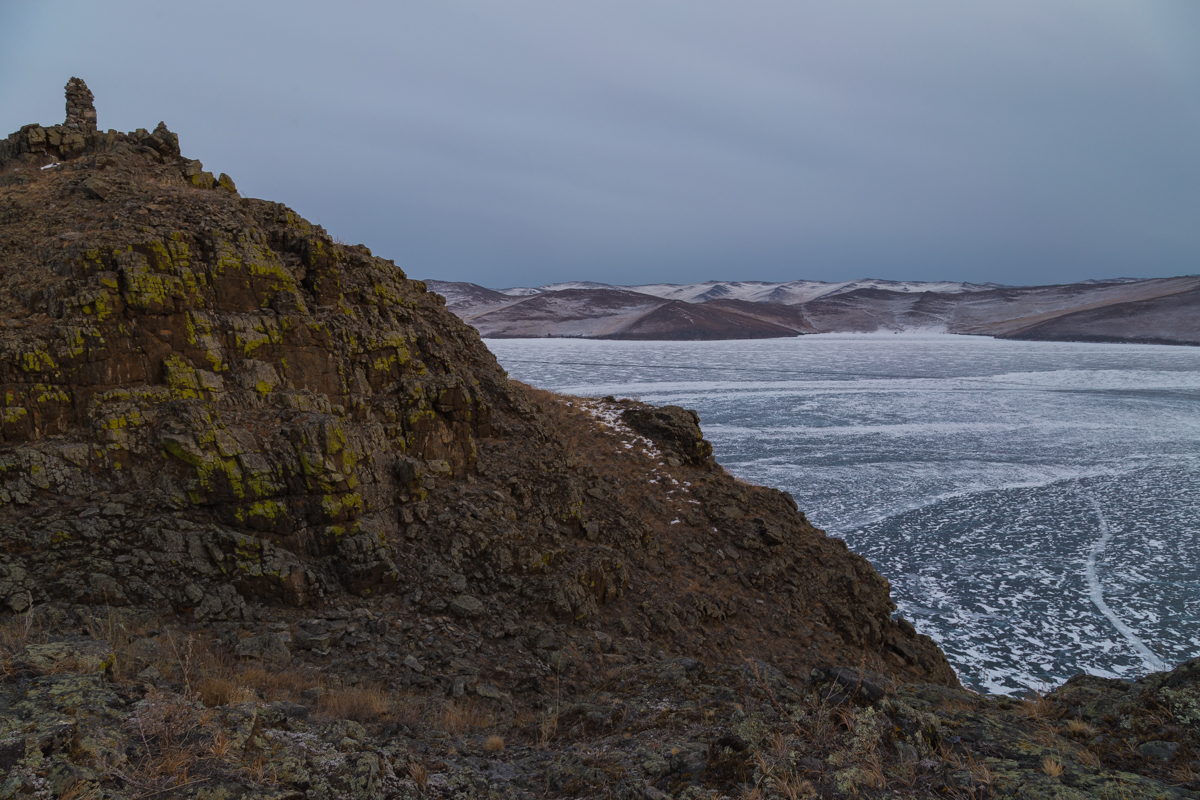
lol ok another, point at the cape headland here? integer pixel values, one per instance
(274, 523)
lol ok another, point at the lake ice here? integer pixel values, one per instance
(1035, 505)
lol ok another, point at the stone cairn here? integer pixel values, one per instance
(78, 135)
(81, 113)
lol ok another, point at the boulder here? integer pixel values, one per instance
(673, 428)
(464, 605)
(79, 656)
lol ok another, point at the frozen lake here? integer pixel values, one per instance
(1035, 505)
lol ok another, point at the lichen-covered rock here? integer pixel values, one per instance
(78, 655)
(218, 415)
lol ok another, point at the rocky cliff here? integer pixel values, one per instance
(252, 472)
(212, 408)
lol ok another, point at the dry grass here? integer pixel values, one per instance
(262, 771)
(1038, 707)
(565, 413)
(793, 787)
(201, 665)
(219, 747)
(1052, 766)
(494, 744)
(460, 716)
(781, 781)
(167, 726)
(1184, 774)
(278, 684)
(419, 773)
(1087, 758)
(174, 744)
(1080, 729)
(111, 627)
(548, 728)
(1047, 737)
(983, 775)
(223, 692)
(365, 703)
(80, 791)
(817, 724)
(17, 631)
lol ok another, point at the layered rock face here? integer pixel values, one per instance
(216, 411)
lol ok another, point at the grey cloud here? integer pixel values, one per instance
(522, 143)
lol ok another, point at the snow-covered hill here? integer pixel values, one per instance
(1163, 310)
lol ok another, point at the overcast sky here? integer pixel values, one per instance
(520, 143)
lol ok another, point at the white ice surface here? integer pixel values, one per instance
(960, 467)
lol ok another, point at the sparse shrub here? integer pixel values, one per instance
(1052, 766)
(165, 718)
(494, 744)
(165, 725)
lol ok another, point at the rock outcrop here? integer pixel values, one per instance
(264, 472)
(213, 409)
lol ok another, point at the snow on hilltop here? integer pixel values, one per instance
(787, 293)
(1158, 310)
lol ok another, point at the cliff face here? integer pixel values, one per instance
(213, 408)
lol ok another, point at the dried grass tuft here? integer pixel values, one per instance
(223, 692)
(1080, 729)
(359, 703)
(460, 716)
(419, 773)
(1038, 707)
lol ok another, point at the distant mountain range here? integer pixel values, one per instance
(1156, 311)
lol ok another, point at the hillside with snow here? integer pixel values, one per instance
(1159, 310)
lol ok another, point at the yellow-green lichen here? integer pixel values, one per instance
(270, 511)
(339, 506)
(181, 378)
(37, 360)
(48, 393)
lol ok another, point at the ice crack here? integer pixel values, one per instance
(1153, 662)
